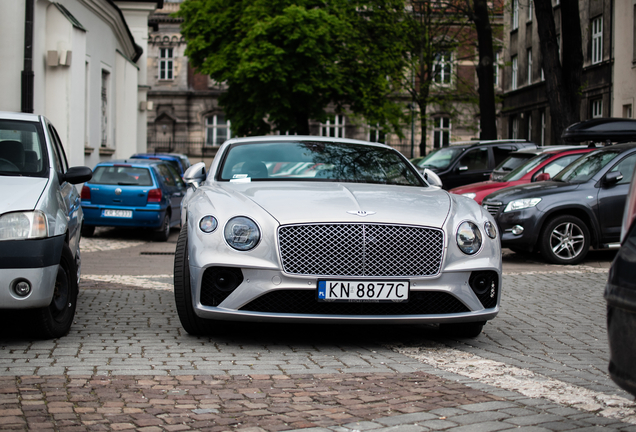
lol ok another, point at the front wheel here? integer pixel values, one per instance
(565, 240)
(55, 320)
(190, 321)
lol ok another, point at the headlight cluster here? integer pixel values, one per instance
(240, 232)
(469, 238)
(521, 204)
(23, 225)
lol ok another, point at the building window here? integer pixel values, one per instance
(166, 64)
(597, 108)
(217, 130)
(515, 14)
(597, 40)
(514, 128)
(334, 127)
(529, 71)
(529, 134)
(105, 107)
(513, 77)
(530, 10)
(375, 134)
(627, 111)
(441, 132)
(442, 68)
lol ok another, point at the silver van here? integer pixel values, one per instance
(40, 224)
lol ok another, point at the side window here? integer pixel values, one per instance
(501, 153)
(55, 158)
(475, 160)
(626, 167)
(166, 175)
(554, 167)
(59, 151)
(177, 177)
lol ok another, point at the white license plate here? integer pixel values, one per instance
(363, 291)
(118, 213)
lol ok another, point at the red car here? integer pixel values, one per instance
(545, 164)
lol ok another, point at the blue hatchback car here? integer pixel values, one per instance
(135, 193)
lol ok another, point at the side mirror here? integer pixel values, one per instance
(432, 178)
(77, 175)
(613, 177)
(195, 175)
(542, 177)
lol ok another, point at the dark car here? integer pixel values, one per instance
(581, 207)
(545, 163)
(136, 193)
(520, 157)
(620, 295)
(180, 161)
(469, 162)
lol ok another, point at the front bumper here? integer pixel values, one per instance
(35, 261)
(142, 217)
(529, 219)
(292, 299)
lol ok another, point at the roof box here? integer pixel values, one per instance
(601, 130)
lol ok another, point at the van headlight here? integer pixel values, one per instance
(469, 238)
(23, 225)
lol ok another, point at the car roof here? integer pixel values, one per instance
(8, 115)
(296, 138)
(131, 162)
(548, 149)
(601, 130)
(489, 142)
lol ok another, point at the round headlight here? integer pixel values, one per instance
(469, 238)
(489, 227)
(208, 224)
(242, 233)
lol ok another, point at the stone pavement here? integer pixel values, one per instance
(127, 364)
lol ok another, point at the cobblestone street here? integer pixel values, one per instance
(541, 365)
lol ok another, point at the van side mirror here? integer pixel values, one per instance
(542, 177)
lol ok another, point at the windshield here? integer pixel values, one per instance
(316, 161)
(440, 159)
(22, 149)
(583, 169)
(524, 169)
(513, 161)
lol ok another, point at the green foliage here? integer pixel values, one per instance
(286, 61)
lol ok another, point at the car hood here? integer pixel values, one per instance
(532, 190)
(303, 202)
(478, 187)
(26, 191)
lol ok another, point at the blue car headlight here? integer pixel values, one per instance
(242, 233)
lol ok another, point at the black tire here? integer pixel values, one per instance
(183, 294)
(564, 240)
(163, 233)
(88, 230)
(55, 320)
(462, 330)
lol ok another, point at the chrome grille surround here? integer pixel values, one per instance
(492, 207)
(361, 249)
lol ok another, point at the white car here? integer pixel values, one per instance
(351, 234)
(40, 222)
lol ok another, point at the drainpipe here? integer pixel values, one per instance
(27, 72)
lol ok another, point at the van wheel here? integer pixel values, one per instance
(190, 321)
(565, 240)
(55, 320)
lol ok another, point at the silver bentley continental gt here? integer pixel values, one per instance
(315, 229)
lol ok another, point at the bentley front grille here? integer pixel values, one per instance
(304, 302)
(361, 250)
(492, 207)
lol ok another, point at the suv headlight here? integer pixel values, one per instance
(469, 238)
(23, 225)
(521, 204)
(242, 233)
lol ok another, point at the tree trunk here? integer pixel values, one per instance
(562, 95)
(485, 71)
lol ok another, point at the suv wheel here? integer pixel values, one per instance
(55, 320)
(565, 240)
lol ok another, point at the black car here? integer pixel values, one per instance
(469, 162)
(620, 295)
(581, 207)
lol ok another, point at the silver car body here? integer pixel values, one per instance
(60, 203)
(274, 205)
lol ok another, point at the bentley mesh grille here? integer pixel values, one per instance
(492, 207)
(304, 302)
(361, 250)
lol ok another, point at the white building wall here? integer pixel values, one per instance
(11, 53)
(125, 107)
(624, 80)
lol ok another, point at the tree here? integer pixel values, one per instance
(286, 62)
(563, 79)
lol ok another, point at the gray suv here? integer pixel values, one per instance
(40, 222)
